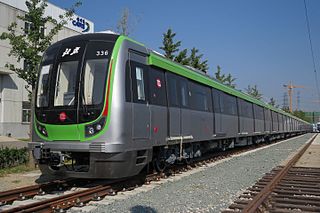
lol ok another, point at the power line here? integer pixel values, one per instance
(311, 48)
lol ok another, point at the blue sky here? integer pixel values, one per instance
(262, 42)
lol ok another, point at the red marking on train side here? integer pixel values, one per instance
(62, 116)
(155, 129)
(105, 111)
(158, 83)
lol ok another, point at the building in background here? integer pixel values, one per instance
(14, 103)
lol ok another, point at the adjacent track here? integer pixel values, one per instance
(284, 189)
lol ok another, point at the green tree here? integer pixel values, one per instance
(169, 46)
(224, 79)
(195, 60)
(286, 109)
(30, 45)
(219, 76)
(182, 57)
(171, 50)
(273, 103)
(254, 92)
(302, 115)
(229, 81)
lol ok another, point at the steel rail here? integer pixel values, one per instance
(256, 202)
(29, 191)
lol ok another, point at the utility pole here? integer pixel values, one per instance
(290, 88)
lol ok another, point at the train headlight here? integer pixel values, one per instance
(98, 127)
(42, 129)
(93, 129)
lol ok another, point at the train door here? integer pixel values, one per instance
(174, 111)
(140, 107)
(158, 106)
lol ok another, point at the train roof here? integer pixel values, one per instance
(90, 36)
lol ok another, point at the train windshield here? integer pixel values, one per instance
(95, 73)
(42, 99)
(72, 79)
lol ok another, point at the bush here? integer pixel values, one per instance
(13, 157)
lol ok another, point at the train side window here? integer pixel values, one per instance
(228, 104)
(200, 97)
(139, 82)
(172, 83)
(157, 87)
(258, 112)
(245, 109)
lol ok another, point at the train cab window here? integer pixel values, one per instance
(42, 94)
(66, 83)
(140, 84)
(95, 72)
(67, 74)
(157, 87)
(43, 86)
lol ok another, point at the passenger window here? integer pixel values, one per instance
(200, 97)
(245, 109)
(258, 112)
(228, 104)
(140, 84)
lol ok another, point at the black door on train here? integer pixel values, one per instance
(174, 111)
(140, 107)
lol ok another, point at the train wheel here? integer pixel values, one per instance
(159, 164)
(159, 160)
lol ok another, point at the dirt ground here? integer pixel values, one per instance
(12, 181)
(17, 180)
(311, 157)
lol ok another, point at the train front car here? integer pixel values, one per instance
(80, 124)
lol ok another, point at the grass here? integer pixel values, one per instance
(17, 169)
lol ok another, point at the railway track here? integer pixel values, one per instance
(285, 189)
(94, 191)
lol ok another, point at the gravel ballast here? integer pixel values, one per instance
(210, 189)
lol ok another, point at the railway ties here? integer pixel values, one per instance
(288, 188)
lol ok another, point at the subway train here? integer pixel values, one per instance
(107, 106)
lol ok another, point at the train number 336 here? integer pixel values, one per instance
(102, 52)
